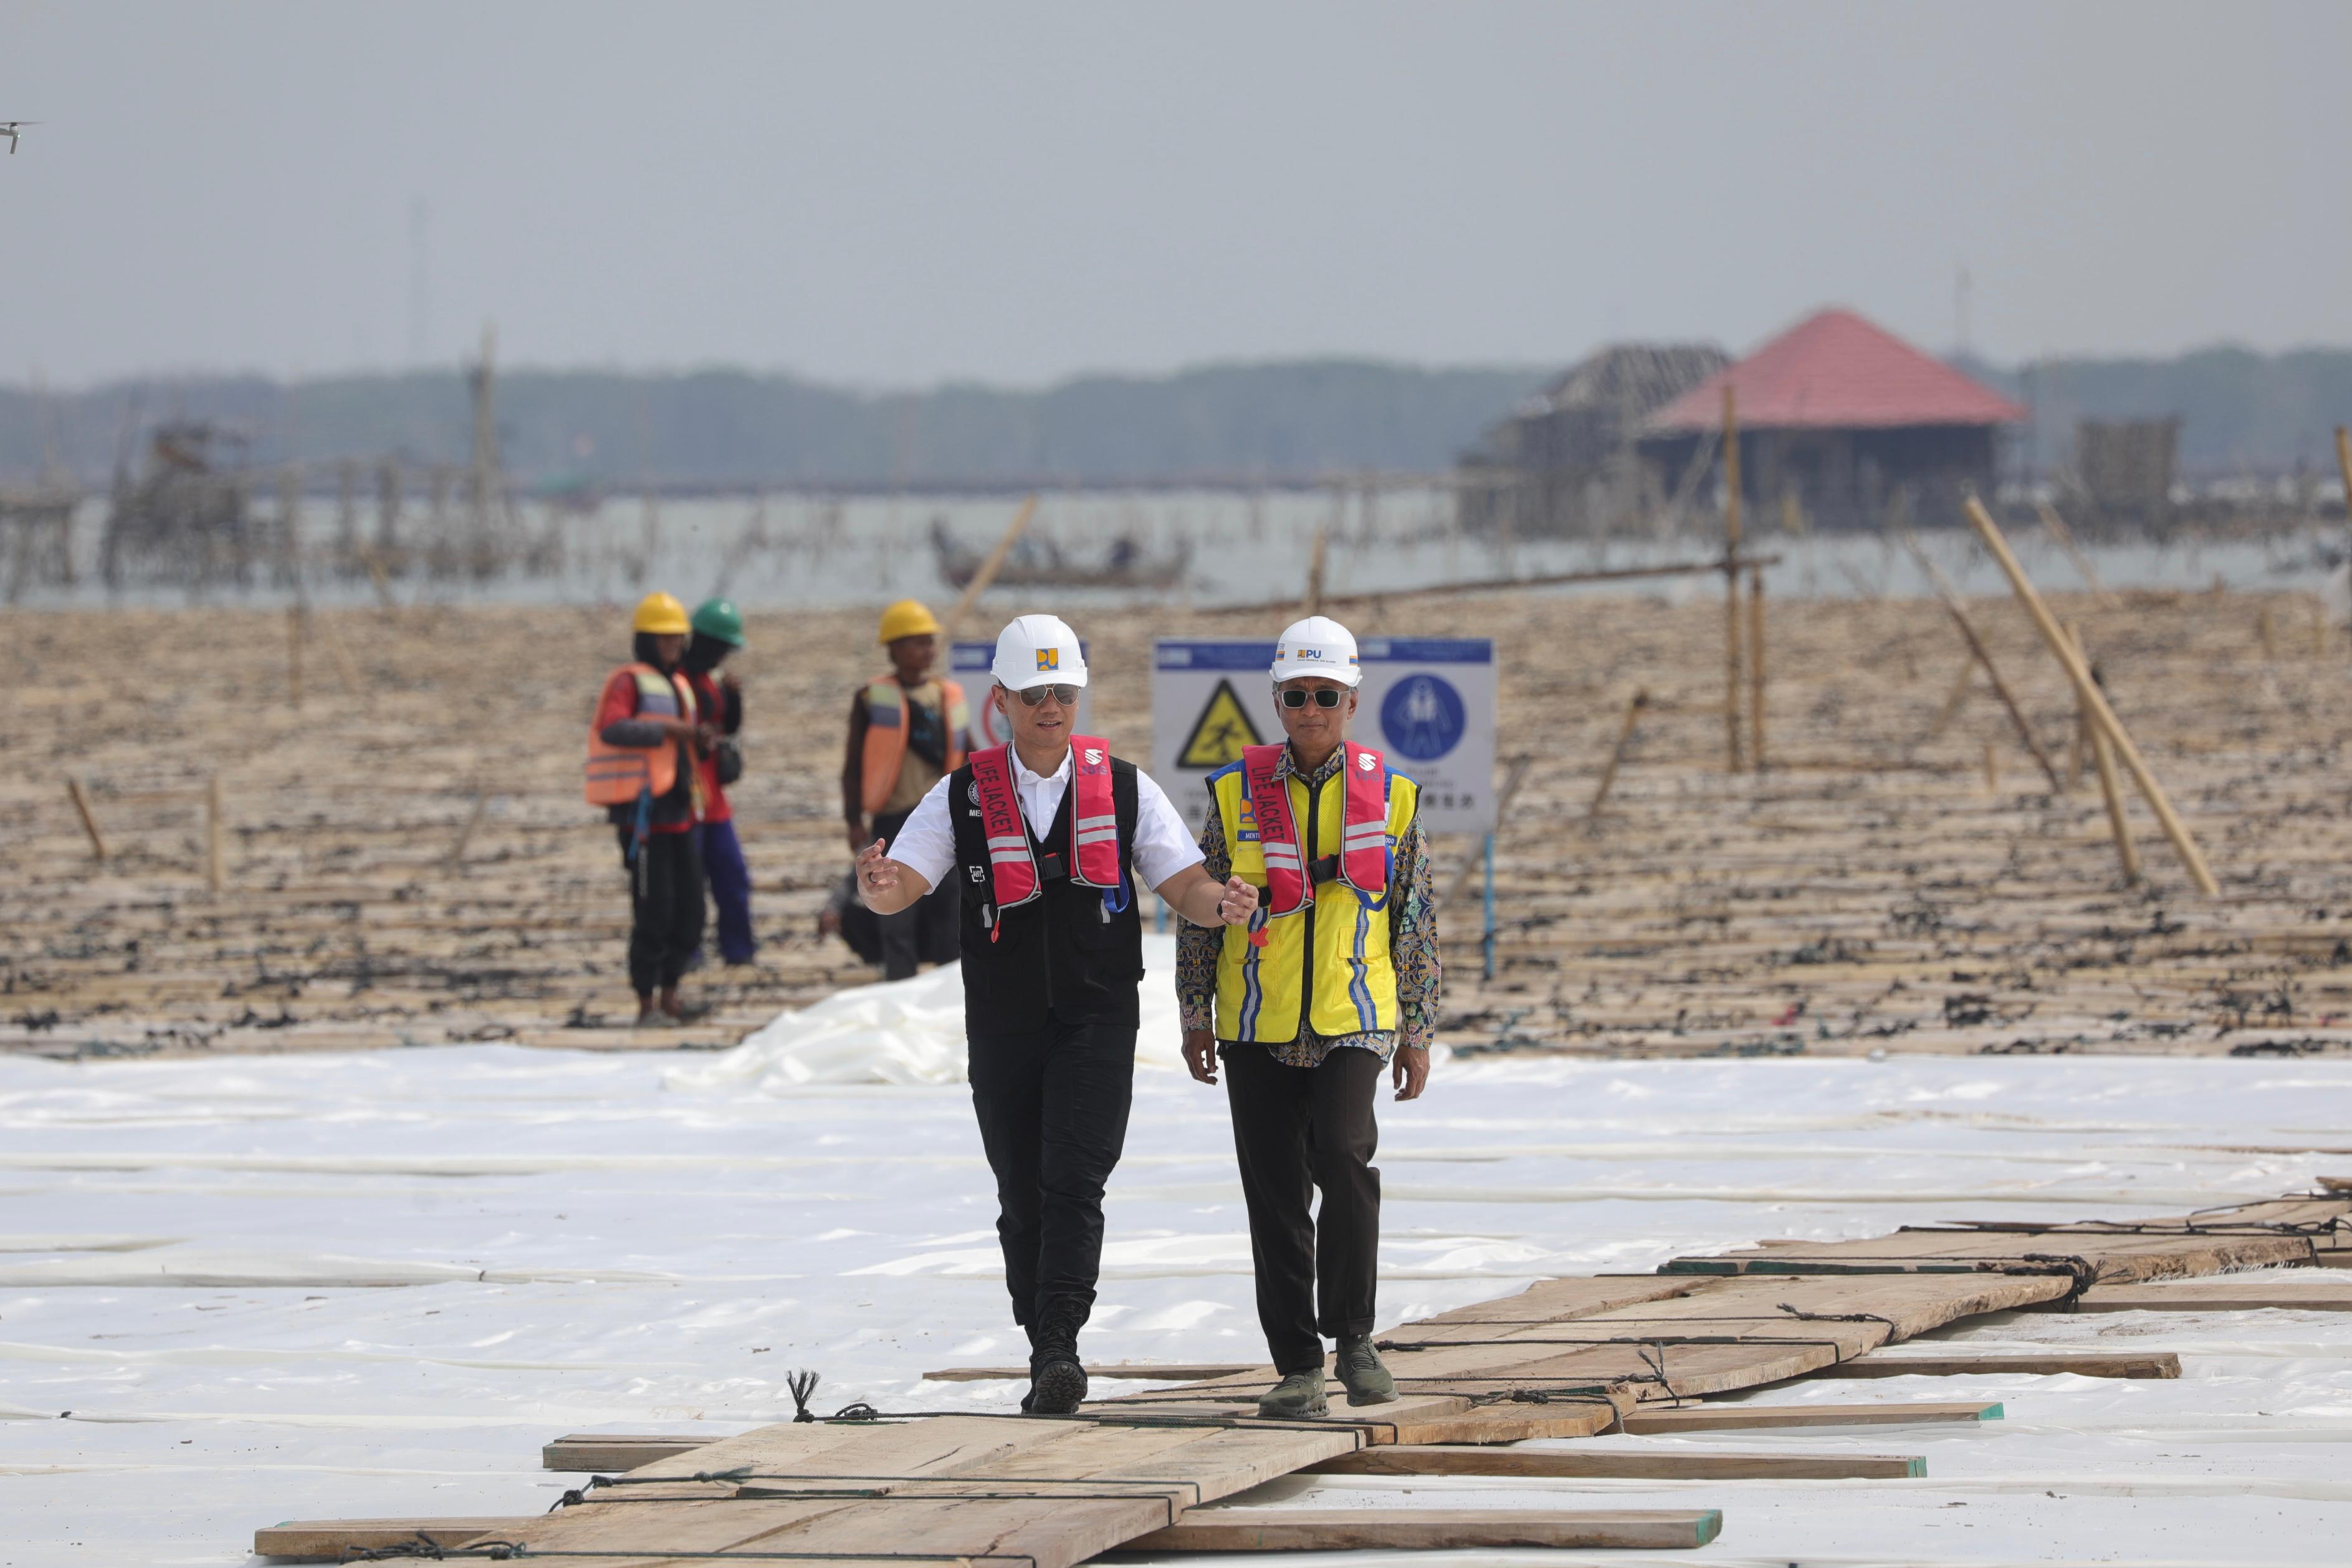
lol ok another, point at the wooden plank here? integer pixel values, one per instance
(1664, 1464)
(327, 1540)
(1430, 1529)
(2116, 1258)
(2082, 1363)
(614, 1450)
(2238, 1294)
(1750, 1417)
(1174, 1371)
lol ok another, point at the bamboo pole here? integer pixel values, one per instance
(990, 567)
(89, 817)
(1993, 770)
(1951, 598)
(2344, 464)
(1756, 666)
(294, 654)
(2110, 787)
(456, 855)
(2064, 535)
(2095, 700)
(1731, 579)
(1634, 707)
(1951, 707)
(215, 869)
(2267, 633)
(1312, 603)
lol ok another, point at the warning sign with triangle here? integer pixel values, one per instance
(1220, 733)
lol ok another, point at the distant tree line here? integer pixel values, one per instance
(1274, 422)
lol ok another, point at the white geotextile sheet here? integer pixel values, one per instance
(239, 1290)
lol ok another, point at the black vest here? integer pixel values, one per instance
(1059, 956)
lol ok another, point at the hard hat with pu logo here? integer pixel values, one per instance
(1317, 646)
(1038, 650)
(661, 615)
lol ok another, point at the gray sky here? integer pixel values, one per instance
(893, 194)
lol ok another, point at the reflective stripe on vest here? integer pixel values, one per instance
(1258, 995)
(1364, 842)
(618, 775)
(1014, 879)
(886, 737)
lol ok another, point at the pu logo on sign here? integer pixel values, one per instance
(1094, 757)
(1049, 658)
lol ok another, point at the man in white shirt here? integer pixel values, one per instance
(1045, 840)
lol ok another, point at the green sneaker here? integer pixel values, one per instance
(1296, 1398)
(1358, 1365)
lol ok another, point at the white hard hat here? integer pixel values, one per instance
(1038, 650)
(1317, 646)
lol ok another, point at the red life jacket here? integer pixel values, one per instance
(1013, 868)
(1363, 829)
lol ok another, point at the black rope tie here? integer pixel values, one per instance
(802, 1385)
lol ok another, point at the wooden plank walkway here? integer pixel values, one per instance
(1563, 1358)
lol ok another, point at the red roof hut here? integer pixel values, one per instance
(1851, 420)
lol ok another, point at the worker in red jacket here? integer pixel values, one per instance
(643, 747)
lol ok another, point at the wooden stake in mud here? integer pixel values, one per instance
(1730, 580)
(2090, 696)
(990, 567)
(1756, 666)
(1951, 707)
(294, 653)
(1992, 769)
(2267, 633)
(456, 855)
(2057, 529)
(1951, 598)
(1312, 603)
(88, 818)
(215, 870)
(1616, 757)
(2111, 788)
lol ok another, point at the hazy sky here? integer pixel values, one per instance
(893, 194)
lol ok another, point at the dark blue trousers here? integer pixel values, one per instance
(730, 890)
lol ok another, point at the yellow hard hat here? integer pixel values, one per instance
(907, 618)
(660, 613)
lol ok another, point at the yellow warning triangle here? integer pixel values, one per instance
(1220, 733)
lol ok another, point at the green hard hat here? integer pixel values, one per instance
(720, 619)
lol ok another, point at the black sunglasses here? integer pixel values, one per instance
(1031, 696)
(1325, 697)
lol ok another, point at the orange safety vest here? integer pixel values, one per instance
(618, 775)
(885, 736)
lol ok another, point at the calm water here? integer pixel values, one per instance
(784, 550)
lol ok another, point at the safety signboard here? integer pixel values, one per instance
(969, 662)
(1427, 703)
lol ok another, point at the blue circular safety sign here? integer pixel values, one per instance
(1423, 716)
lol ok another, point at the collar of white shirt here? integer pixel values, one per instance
(1041, 794)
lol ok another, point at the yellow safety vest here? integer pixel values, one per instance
(1338, 944)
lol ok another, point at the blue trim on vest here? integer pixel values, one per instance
(1368, 1016)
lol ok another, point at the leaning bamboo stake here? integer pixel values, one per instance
(294, 654)
(1511, 781)
(1951, 598)
(1951, 707)
(1616, 758)
(990, 567)
(215, 871)
(1756, 666)
(456, 856)
(1731, 579)
(1992, 769)
(2110, 787)
(89, 817)
(2092, 698)
(2064, 535)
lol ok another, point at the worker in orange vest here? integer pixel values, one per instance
(906, 733)
(644, 747)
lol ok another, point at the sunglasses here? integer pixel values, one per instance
(1325, 697)
(1032, 696)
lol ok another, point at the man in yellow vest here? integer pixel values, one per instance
(906, 733)
(1334, 982)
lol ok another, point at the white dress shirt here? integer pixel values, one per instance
(926, 844)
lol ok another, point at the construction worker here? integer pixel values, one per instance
(906, 733)
(643, 746)
(1335, 980)
(1043, 841)
(718, 694)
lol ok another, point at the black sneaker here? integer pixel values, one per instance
(1359, 1366)
(1296, 1397)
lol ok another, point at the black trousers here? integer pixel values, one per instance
(666, 908)
(1296, 1130)
(924, 930)
(1053, 1116)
